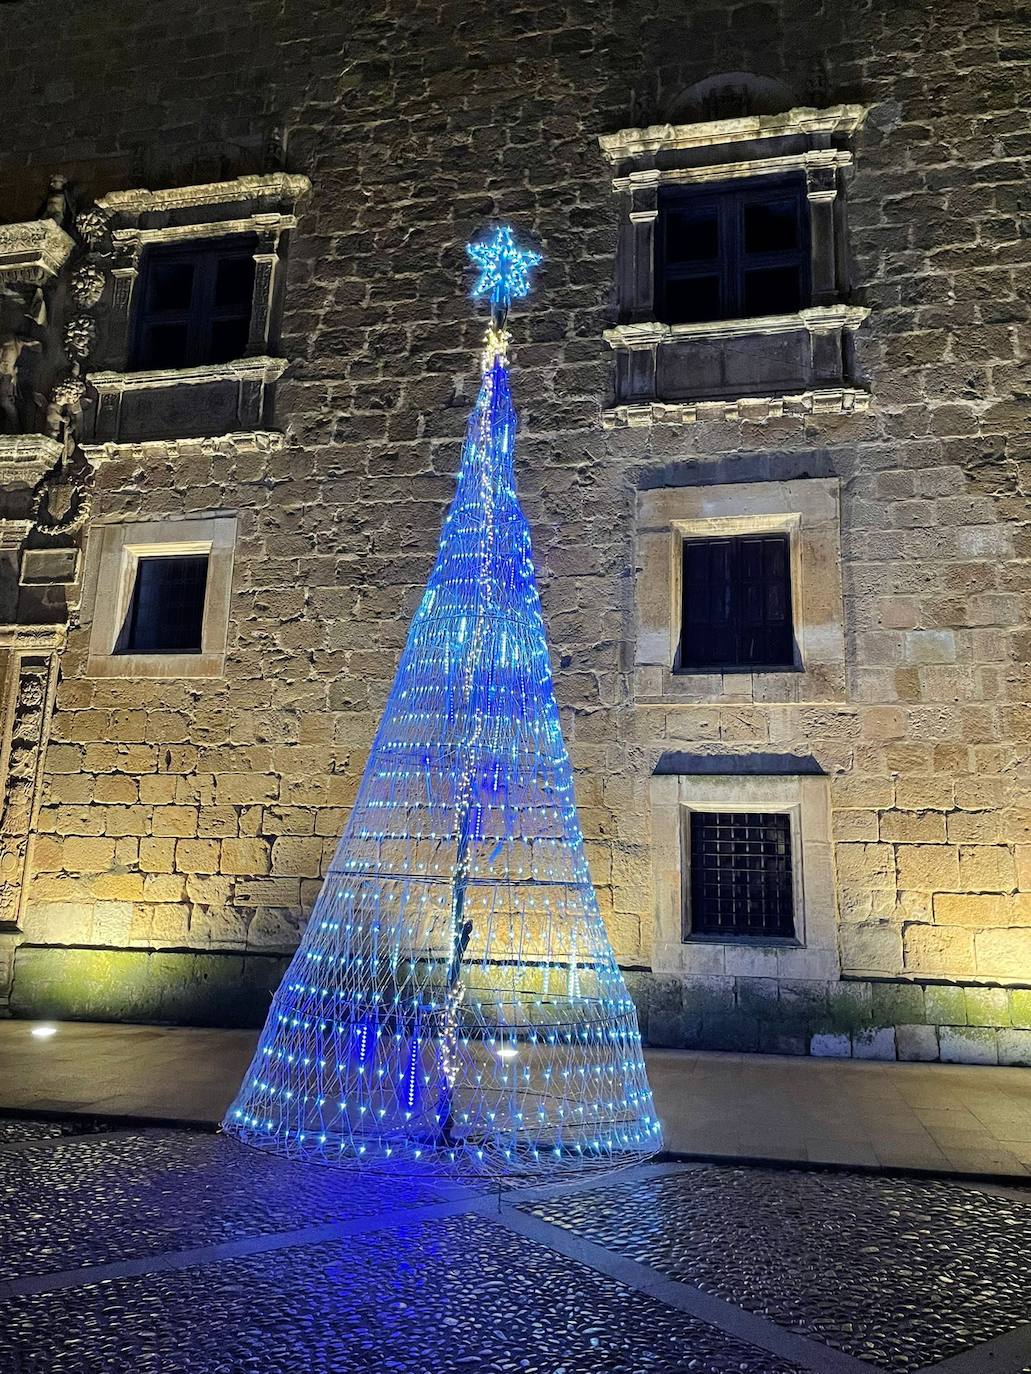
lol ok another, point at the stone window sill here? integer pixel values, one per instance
(832, 401)
(815, 318)
(260, 369)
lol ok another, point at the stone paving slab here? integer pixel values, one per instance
(900, 1273)
(459, 1296)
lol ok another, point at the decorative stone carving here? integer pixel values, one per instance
(80, 334)
(64, 498)
(27, 723)
(32, 252)
(12, 346)
(87, 285)
(92, 225)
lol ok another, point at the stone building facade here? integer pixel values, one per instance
(167, 809)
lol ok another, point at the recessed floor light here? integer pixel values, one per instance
(43, 1032)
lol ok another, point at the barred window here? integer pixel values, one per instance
(741, 875)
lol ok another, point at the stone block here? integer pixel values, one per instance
(916, 1043)
(164, 887)
(1004, 954)
(937, 950)
(945, 1005)
(927, 867)
(169, 822)
(828, 1045)
(985, 868)
(249, 858)
(115, 787)
(913, 827)
(968, 1045)
(876, 1043)
(197, 856)
(978, 910)
(866, 865)
(895, 1004)
(88, 854)
(1015, 1047)
(157, 856)
(871, 948)
(298, 858)
(1020, 1007)
(987, 1006)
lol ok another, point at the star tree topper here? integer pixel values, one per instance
(504, 269)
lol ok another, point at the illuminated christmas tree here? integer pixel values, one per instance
(455, 1005)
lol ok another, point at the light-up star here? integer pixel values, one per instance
(504, 269)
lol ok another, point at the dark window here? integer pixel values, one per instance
(194, 303)
(741, 875)
(166, 615)
(732, 253)
(736, 612)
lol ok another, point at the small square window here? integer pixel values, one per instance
(194, 303)
(166, 613)
(736, 605)
(741, 881)
(736, 252)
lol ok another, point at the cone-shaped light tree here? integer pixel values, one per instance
(455, 1005)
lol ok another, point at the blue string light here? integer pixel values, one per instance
(455, 1005)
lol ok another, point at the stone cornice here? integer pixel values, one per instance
(261, 369)
(27, 456)
(276, 185)
(817, 401)
(815, 318)
(33, 251)
(840, 120)
(141, 450)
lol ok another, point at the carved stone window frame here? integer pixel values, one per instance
(263, 206)
(813, 954)
(813, 142)
(114, 553)
(807, 510)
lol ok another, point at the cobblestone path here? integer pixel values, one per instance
(162, 1251)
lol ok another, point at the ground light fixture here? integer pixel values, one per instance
(44, 1032)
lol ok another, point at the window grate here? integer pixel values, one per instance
(166, 615)
(741, 878)
(736, 611)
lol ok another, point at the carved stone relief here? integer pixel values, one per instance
(27, 723)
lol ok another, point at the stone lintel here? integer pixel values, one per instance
(840, 120)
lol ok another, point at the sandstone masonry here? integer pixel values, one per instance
(164, 836)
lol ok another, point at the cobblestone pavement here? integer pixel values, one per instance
(161, 1251)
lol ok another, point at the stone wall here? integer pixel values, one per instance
(195, 817)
